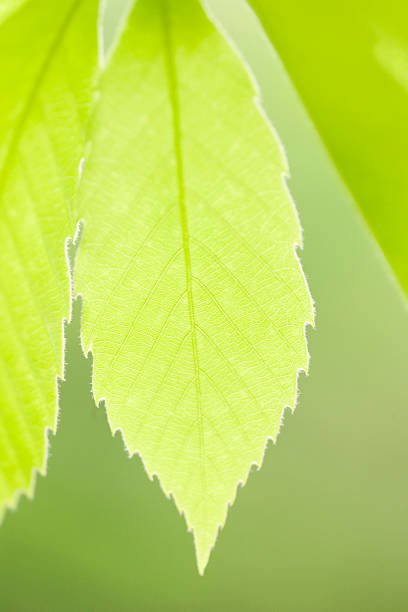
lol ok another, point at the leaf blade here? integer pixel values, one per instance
(195, 303)
(42, 113)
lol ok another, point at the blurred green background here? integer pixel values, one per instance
(323, 525)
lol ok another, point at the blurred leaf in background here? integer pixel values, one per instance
(7, 7)
(349, 63)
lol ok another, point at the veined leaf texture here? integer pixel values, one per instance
(195, 303)
(48, 54)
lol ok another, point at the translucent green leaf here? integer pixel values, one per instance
(195, 302)
(350, 66)
(47, 55)
(7, 7)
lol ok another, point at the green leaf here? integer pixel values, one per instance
(47, 55)
(195, 304)
(350, 67)
(8, 7)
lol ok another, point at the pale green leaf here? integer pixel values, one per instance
(8, 7)
(195, 304)
(47, 55)
(349, 63)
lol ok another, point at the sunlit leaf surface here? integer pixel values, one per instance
(195, 302)
(47, 55)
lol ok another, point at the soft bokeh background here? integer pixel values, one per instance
(323, 525)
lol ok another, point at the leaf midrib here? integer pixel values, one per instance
(172, 80)
(13, 148)
(18, 129)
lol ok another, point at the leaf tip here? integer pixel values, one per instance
(203, 548)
